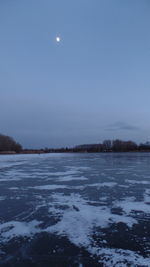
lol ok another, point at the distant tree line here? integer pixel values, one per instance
(8, 144)
(107, 146)
(113, 146)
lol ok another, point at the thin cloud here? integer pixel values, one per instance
(117, 126)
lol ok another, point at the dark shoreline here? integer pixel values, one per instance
(8, 146)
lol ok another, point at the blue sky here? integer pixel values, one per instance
(93, 85)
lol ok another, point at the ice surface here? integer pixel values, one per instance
(2, 198)
(137, 182)
(72, 178)
(84, 217)
(12, 229)
(129, 205)
(85, 198)
(50, 187)
(120, 258)
(98, 185)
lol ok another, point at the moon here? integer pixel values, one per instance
(58, 39)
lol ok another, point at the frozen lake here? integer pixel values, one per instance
(75, 210)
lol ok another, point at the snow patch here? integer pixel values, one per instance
(9, 230)
(98, 185)
(119, 257)
(79, 220)
(137, 182)
(49, 187)
(129, 205)
(72, 178)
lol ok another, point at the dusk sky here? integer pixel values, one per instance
(92, 85)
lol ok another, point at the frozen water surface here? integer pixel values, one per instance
(75, 210)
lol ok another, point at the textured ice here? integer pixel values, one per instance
(50, 187)
(98, 185)
(88, 199)
(120, 258)
(147, 196)
(137, 182)
(2, 198)
(82, 216)
(12, 229)
(9, 179)
(129, 205)
(14, 188)
(72, 178)
(63, 173)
